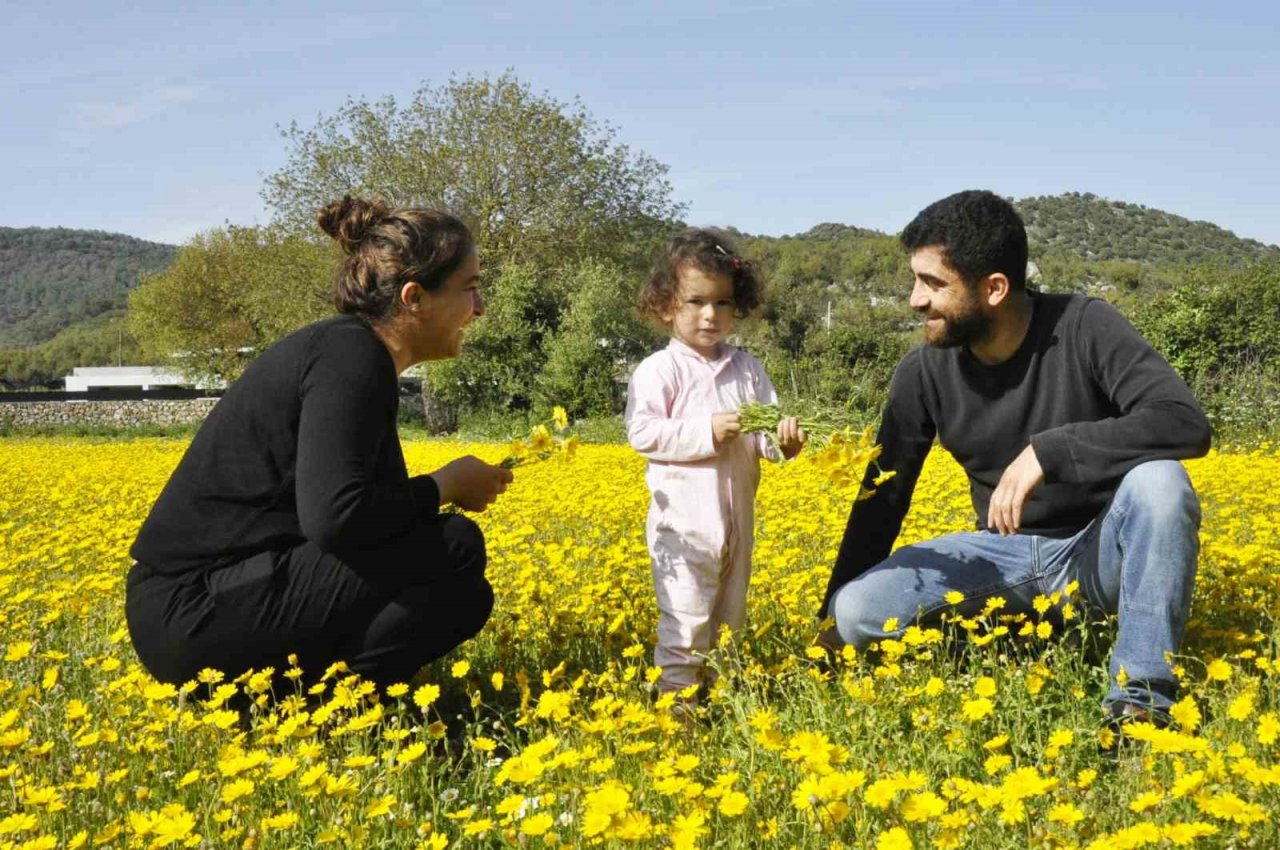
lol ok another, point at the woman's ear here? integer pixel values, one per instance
(411, 296)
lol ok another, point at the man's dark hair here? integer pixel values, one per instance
(980, 231)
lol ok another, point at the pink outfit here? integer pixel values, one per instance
(702, 513)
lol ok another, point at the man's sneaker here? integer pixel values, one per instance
(830, 643)
(1111, 737)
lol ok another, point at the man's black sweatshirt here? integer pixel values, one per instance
(302, 447)
(1084, 389)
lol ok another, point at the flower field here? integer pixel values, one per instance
(545, 730)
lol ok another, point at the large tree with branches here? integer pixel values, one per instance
(538, 180)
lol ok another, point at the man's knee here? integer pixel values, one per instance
(1161, 489)
(860, 613)
(465, 543)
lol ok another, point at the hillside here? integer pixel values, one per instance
(102, 340)
(1087, 227)
(51, 278)
(1080, 243)
(830, 231)
(62, 291)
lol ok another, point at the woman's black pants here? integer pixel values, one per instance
(386, 614)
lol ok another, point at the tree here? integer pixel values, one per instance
(228, 295)
(544, 186)
(538, 180)
(99, 341)
(600, 335)
(503, 353)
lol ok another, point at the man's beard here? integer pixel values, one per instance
(964, 329)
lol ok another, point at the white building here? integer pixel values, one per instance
(84, 378)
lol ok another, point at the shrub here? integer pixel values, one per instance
(1217, 320)
(1243, 404)
(850, 364)
(586, 361)
(503, 352)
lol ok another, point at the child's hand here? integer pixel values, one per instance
(725, 427)
(791, 437)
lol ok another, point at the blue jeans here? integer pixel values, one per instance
(1137, 559)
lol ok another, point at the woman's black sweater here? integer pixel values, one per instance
(302, 447)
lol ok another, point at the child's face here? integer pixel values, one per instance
(702, 315)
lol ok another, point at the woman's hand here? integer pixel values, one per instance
(470, 483)
(791, 437)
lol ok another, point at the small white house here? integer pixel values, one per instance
(84, 378)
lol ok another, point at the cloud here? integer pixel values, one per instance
(103, 115)
(177, 94)
(99, 116)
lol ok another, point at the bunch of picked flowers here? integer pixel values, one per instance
(835, 447)
(544, 442)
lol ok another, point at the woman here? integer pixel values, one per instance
(291, 524)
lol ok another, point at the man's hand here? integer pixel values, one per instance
(725, 427)
(1004, 511)
(470, 483)
(791, 437)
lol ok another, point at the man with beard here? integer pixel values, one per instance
(1069, 427)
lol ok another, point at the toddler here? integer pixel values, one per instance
(682, 414)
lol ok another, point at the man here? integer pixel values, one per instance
(1069, 427)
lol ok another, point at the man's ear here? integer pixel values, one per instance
(411, 296)
(995, 289)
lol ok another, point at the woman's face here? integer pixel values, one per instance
(443, 313)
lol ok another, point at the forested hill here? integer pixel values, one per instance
(72, 284)
(831, 232)
(1085, 227)
(54, 277)
(1092, 228)
(51, 278)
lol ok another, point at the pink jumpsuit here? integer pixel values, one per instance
(702, 511)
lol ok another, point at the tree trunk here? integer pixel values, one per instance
(440, 416)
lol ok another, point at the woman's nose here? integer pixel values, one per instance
(477, 303)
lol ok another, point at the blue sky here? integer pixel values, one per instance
(159, 119)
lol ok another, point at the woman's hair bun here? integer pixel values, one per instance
(350, 220)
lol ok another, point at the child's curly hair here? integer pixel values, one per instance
(712, 252)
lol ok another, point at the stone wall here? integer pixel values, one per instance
(119, 414)
(129, 414)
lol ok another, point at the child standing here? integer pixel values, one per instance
(682, 414)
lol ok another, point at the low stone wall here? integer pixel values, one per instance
(129, 414)
(119, 414)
